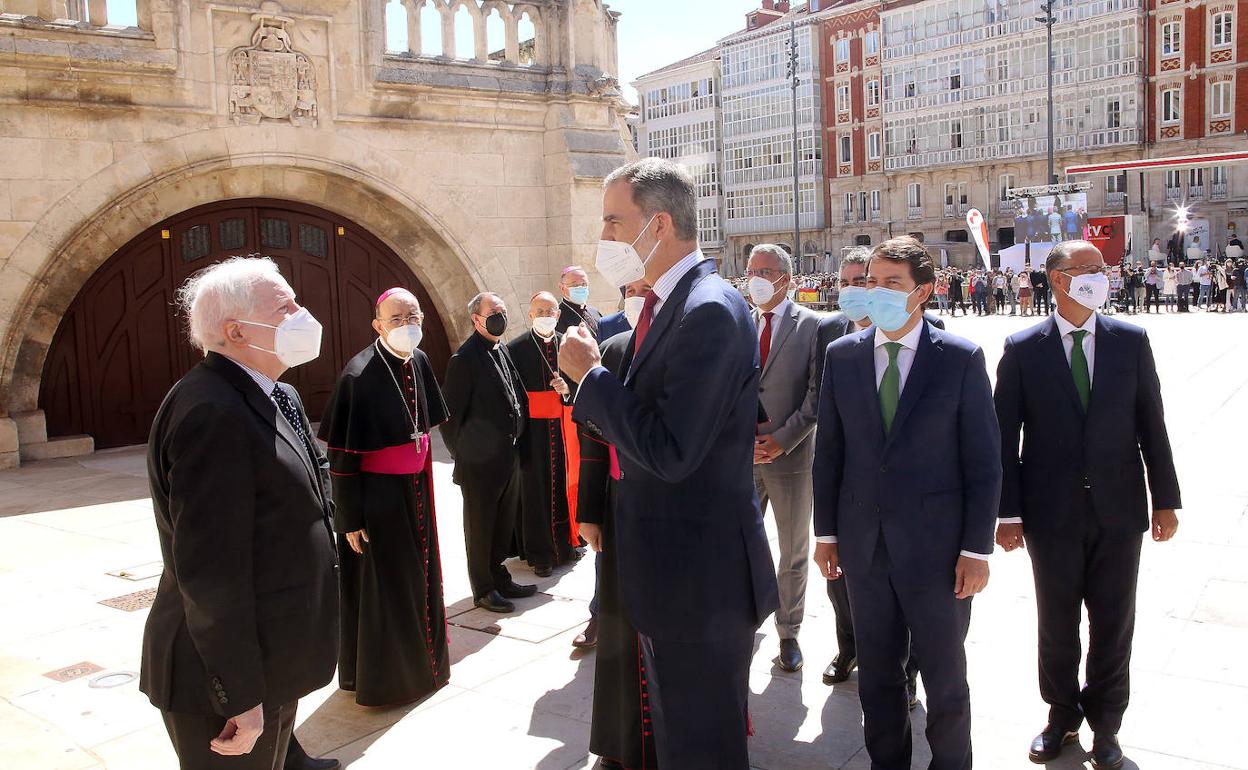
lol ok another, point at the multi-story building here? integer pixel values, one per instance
(1197, 59)
(680, 120)
(757, 148)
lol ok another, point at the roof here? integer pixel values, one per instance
(697, 58)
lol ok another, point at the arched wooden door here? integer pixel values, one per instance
(121, 345)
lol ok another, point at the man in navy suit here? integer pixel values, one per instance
(1082, 390)
(695, 569)
(634, 295)
(907, 481)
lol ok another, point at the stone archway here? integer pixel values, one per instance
(432, 235)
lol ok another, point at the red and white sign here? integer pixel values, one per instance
(1109, 234)
(979, 233)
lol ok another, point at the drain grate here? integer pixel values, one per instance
(76, 671)
(139, 600)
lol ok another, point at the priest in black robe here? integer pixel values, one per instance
(377, 423)
(574, 307)
(620, 729)
(546, 531)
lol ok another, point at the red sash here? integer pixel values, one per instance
(398, 460)
(548, 405)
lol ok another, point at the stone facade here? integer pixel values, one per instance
(480, 172)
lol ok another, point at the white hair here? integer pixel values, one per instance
(224, 292)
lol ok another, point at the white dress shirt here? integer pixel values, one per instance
(1068, 344)
(778, 312)
(905, 360)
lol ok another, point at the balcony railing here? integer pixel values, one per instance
(1196, 192)
(876, 216)
(1005, 208)
(1217, 191)
(849, 217)
(1114, 199)
(914, 212)
(948, 211)
(963, 208)
(1173, 194)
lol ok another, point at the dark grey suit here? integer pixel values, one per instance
(789, 392)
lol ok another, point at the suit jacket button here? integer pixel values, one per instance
(883, 469)
(877, 509)
(223, 699)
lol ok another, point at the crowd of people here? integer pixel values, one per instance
(659, 437)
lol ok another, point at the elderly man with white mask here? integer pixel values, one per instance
(245, 620)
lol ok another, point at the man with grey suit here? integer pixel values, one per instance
(791, 341)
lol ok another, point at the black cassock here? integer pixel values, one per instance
(619, 726)
(545, 531)
(394, 643)
(574, 315)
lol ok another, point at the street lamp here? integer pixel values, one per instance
(1048, 21)
(791, 73)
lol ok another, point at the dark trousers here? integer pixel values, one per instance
(838, 594)
(1040, 297)
(698, 700)
(192, 733)
(890, 609)
(1182, 294)
(491, 499)
(1152, 293)
(1097, 569)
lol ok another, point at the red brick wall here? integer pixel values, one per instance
(1241, 76)
(1193, 105)
(857, 106)
(1150, 66)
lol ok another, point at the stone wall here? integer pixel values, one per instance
(479, 174)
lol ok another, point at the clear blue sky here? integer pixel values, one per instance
(654, 33)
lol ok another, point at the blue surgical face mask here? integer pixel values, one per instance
(887, 308)
(579, 294)
(853, 303)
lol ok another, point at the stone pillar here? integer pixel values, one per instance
(9, 457)
(97, 13)
(480, 42)
(511, 26)
(448, 35)
(22, 7)
(413, 28)
(53, 10)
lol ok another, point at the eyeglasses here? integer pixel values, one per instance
(764, 272)
(1085, 269)
(404, 320)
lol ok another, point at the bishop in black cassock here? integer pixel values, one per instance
(574, 307)
(546, 531)
(377, 423)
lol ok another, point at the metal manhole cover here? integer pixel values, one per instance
(139, 600)
(76, 671)
(112, 679)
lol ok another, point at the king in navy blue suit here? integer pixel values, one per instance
(906, 491)
(1081, 392)
(695, 570)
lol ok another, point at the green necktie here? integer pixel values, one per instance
(1079, 367)
(890, 386)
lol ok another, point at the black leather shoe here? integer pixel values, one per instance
(1048, 744)
(514, 591)
(1106, 753)
(912, 694)
(587, 638)
(543, 570)
(494, 602)
(839, 669)
(790, 655)
(298, 759)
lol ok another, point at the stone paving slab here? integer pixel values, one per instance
(520, 696)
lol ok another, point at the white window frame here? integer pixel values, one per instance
(842, 97)
(1112, 184)
(1172, 38)
(871, 43)
(842, 49)
(1177, 176)
(914, 195)
(845, 149)
(1223, 22)
(874, 143)
(1005, 182)
(1171, 108)
(1225, 89)
(873, 94)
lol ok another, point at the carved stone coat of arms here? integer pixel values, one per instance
(271, 80)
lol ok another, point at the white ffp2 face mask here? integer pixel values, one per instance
(632, 309)
(296, 340)
(761, 290)
(406, 338)
(619, 263)
(1091, 291)
(545, 325)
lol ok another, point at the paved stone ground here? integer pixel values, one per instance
(520, 698)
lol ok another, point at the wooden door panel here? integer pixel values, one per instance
(121, 345)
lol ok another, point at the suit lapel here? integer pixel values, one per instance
(926, 360)
(1104, 364)
(1056, 353)
(787, 324)
(671, 306)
